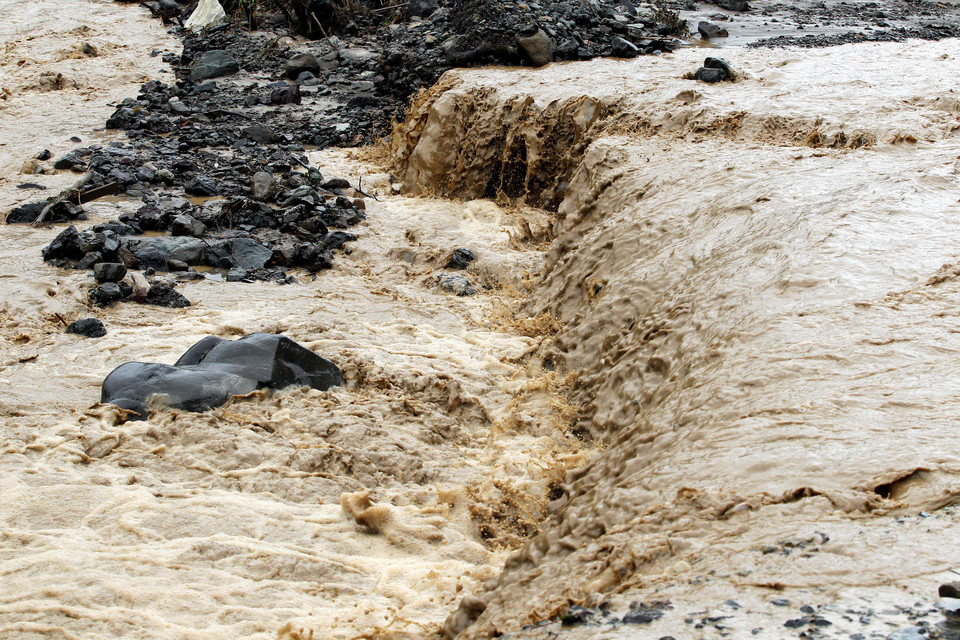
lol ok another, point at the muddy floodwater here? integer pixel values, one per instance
(710, 372)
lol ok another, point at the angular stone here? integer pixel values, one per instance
(161, 295)
(714, 62)
(182, 248)
(259, 133)
(422, 8)
(245, 253)
(262, 186)
(201, 186)
(213, 64)
(109, 272)
(709, 31)
(460, 259)
(621, 48)
(710, 75)
(87, 327)
(187, 225)
(357, 56)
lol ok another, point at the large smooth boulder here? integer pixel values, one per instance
(182, 248)
(538, 47)
(245, 253)
(302, 62)
(214, 370)
(213, 64)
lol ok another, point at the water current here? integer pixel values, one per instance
(717, 363)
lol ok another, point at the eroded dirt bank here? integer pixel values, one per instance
(756, 283)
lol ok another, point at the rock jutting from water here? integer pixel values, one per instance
(214, 370)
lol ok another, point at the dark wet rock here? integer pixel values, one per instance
(780, 602)
(733, 5)
(313, 257)
(337, 239)
(184, 248)
(109, 272)
(539, 47)
(711, 76)
(67, 245)
(455, 284)
(796, 623)
(714, 62)
(25, 213)
(168, 10)
(259, 133)
(162, 295)
(286, 95)
(205, 87)
(87, 327)
(237, 275)
(460, 259)
(187, 225)
(150, 257)
(577, 615)
(422, 8)
(300, 63)
(245, 253)
(213, 370)
(70, 162)
(105, 294)
(202, 186)
(949, 590)
(335, 183)
(710, 31)
(60, 211)
(89, 260)
(262, 186)
(642, 616)
(621, 48)
(44, 155)
(213, 64)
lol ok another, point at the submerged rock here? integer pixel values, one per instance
(455, 284)
(214, 370)
(87, 327)
(461, 259)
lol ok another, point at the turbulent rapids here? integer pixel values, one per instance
(707, 385)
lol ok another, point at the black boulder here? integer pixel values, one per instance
(213, 370)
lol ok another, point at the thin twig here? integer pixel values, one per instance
(323, 31)
(396, 6)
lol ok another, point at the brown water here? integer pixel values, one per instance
(757, 291)
(751, 335)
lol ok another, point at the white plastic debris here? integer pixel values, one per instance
(207, 14)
